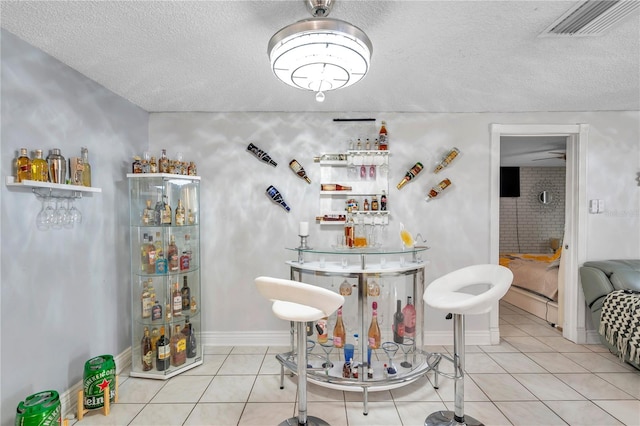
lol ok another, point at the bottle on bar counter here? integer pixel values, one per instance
(451, 155)
(433, 192)
(299, 170)
(334, 187)
(412, 173)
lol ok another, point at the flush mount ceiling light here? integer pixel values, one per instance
(320, 54)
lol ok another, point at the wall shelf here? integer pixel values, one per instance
(35, 186)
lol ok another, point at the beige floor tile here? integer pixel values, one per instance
(318, 393)
(503, 346)
(517, 319)
(628, 412)
(380, 414)
(509, 330)
(593, 387)
(262, 413)
(596, 363)
(539, 330)
(485, 412)
(628, 382)
(517, 363)
(597, 348)
(241, 364)
(333, 413)
(420, 390)
(229, 389)
(209, 367)
(528, 344)
(561, 344)
(165, 414)
(142, 391)
(379, 396)
(267, 389)
(251, 350)
(584, 413)
(547, 387)
(120, 414)
(472, 392)
(502, 387)
(556, 363)
(481, 363)
(215, 414)
(182, 389)
(529, 413)
(217, 350)
(270, 365)
(415, 413)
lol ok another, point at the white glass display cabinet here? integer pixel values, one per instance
(390, 278)
(165, 274)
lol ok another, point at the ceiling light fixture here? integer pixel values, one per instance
(320, 54)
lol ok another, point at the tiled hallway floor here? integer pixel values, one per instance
(534, 377)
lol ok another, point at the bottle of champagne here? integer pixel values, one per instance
(275, 195)
(334, 187)
(146, 351)
(433, 192)
(339, 331)
(163, 354)
(383, 137)
(398, 324)
(417, 168)
(23, 169)
(409, 312)
(299, 170)
(178, 345)
(451, 155)
(86, 172)
(321, 328)
(39, 168)
(186, 295)
(261, 155)
(180, 216)
(177, 301)
(374, 328)
(172, 255)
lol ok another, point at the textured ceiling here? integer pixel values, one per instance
(428, 56)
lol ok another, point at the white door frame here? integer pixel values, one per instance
(575, 242)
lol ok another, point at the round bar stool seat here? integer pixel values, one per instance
(445, 294)
(300, 303)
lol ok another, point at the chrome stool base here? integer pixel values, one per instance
(311, 421)
(442, 418)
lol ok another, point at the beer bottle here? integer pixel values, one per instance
(163, 355)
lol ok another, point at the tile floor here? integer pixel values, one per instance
(534, 377)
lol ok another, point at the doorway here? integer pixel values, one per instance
(573, 322)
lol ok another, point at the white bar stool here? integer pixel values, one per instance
(444, 294)
(299, 302)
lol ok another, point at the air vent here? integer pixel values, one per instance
(591, 18)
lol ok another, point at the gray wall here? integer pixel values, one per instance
(65, 293)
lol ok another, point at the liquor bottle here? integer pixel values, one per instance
(451, 155)
(374, 328)
(23, 169)
(39, 168)
(180, 216)
(417, 168)
(145, 351)
(144, 256)
(321, 328)
(383, 137)
(261, 155)
(334, 187)
(167, 312)
(376, 145)
(156, 312)
(366, 205)
(155, 336)
(359, 144)
(158, 244)
(374, 203)
(178, 344)
(398, 324)
(409, 312)
(147, 214)
(163, 353)
(194, 305)
(146, 301)
(192, 171)
(177, 301)
(349, 231)
(185, 259)
(166, 212)
(146, 168)
(186, 332)
(162, 266)
(157, 211)
(433, 192)
(152, 256)
(186, 295)
(367, 145)
(136, 166)
(360, 237)
(153, 165)
(191, 217)
(86, 172)
(275, 195)
(163, 163)
(76, 168)
(330, 157)
(299, 170)
(383, 201)
(192, 345)
(172, 255)
(339, 331)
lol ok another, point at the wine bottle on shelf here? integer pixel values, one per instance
(451, 155)
(374, 328)
(178, 347)
(180, 216)
(299, 170)
(163, 352)
(433, 192)
(275, 195)
(172, 255)
(153, 165)
(383, 137)
(86, 171)
(166, 212)
(339, 331)
(39, 168)
(398, 324)
(145, 351)
(374, 203)
(186, 295)
(409, 312)
(321, 328)
(349, 231)
(147, 214)
(412, 173)
(176, 298)
(261, 155)
(383, 201)
(334, 187)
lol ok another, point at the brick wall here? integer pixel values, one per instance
(525, 224)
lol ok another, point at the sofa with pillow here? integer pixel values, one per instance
(599, 278)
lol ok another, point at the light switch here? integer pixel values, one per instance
(593, 206)
(600, 206)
